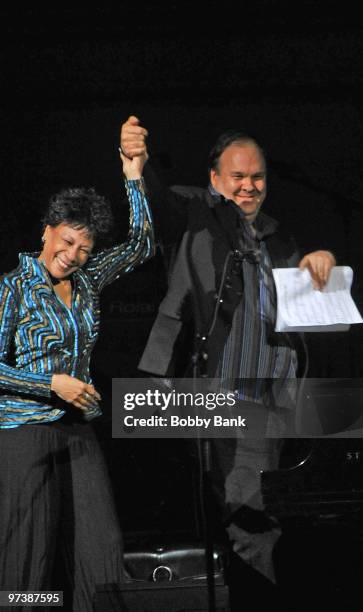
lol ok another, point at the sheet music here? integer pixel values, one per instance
(302, 308)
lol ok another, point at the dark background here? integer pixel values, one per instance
(289, 72)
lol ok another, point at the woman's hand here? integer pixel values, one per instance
(132, 168)
(75, 391)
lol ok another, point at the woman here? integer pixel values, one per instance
(54, 488)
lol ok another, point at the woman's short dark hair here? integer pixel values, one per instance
(225, 140)
(81, 208)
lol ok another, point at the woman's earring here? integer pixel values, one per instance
(43, 239)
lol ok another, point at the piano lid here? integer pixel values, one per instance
(316, 477)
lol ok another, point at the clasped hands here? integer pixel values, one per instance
(133, 151)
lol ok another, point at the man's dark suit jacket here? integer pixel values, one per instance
(206, 281)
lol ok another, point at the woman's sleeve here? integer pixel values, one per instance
(14, 380)
(107, 265)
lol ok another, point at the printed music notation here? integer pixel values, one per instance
(300, 307)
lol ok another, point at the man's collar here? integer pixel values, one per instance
(213, 191)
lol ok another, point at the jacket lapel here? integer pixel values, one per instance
(227, 222)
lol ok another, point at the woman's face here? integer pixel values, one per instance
(65, 249)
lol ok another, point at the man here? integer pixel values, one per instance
(221, 307)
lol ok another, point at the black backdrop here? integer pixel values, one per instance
(290, 74)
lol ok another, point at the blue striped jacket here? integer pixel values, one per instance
(50, 338)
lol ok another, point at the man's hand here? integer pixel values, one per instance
(319, 264)
(75, 391)
(133, 138)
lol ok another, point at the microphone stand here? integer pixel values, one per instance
(205, 466)
(199, 362)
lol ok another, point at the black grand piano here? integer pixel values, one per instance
(321, 470)
(318, 478)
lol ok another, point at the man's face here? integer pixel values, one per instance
(241, 177)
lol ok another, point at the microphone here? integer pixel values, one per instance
(250, 255)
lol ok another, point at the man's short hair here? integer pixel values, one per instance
(225, 140)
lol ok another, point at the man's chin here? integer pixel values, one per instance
(249, 212)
